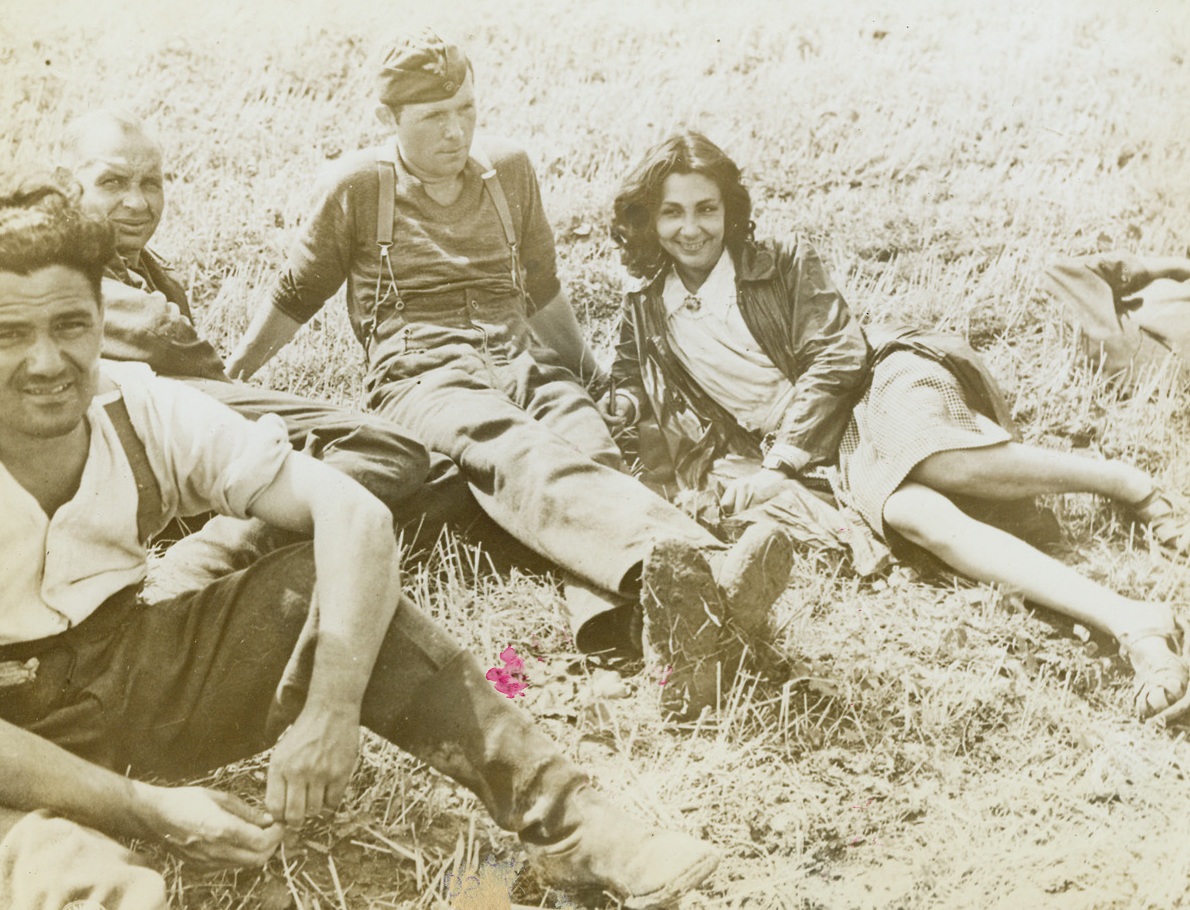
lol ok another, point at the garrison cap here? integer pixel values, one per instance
(415, 69)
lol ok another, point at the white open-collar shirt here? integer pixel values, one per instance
(57, 571)
(710, 338)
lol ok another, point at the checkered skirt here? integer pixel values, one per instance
(913, 409)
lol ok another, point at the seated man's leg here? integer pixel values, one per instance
(583, 516)
(554, 398)
(48, 862)
(427, 695)
(430, 697)
(588, 518)
(425, 492)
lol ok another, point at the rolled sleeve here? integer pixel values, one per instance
(205, 456)
(257, 459)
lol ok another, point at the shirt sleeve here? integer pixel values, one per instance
(829, 355)
(539, 258)
(206, 457)
(626, 367)
(320, 258)
(144, 326)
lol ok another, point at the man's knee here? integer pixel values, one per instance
(52, 862)
(390, 464)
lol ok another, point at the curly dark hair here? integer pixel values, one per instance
(41, 225)
(635, 208)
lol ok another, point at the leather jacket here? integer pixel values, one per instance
(802, 324)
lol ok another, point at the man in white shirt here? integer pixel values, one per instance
(94, 459)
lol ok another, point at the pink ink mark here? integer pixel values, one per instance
(664, 675)
(509, 680)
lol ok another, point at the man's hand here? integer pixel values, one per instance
(312, 763)
(210, 829)
(618, 410)
(753, 489)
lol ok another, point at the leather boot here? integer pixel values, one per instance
(683, 629)
(612, 852)
(752, 575)
(452, 719)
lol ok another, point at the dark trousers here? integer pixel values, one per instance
(424, 491)
(184, 685)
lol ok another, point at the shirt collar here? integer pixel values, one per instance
(717, 292)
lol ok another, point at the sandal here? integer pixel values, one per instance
(1171, 674)
(1167, 516)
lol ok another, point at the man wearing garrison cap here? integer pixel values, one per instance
(472, 344)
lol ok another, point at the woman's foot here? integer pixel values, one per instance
(1154, 648)
(1167, 516)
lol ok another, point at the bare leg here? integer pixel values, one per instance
(930, 520)
(1014, 471)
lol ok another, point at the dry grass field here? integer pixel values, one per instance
(940, 746)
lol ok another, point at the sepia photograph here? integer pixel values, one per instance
(473, 455)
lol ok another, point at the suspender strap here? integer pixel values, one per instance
(149, 506)
(491, 183)
(386, 170)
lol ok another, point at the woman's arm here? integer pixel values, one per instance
(826, 356)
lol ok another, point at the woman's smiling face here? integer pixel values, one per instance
(691, 225)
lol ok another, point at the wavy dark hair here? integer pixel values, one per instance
(635, 208)
(41, 225)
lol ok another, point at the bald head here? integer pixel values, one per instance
(117, 160)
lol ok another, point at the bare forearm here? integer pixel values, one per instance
(37, 774)
(557, 326)
(355, 606)
(1172, 267)
(270, 331)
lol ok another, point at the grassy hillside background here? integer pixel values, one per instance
(941, 747)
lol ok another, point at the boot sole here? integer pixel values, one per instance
(687, 881)
(681, 605)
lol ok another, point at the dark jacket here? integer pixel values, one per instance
(138, 325)
(801, 323)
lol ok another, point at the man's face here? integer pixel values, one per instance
(50, 336)
(122, 184)
(435, 137)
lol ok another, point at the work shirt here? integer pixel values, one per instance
(437, 249)
(710, 338)
(205, 457)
